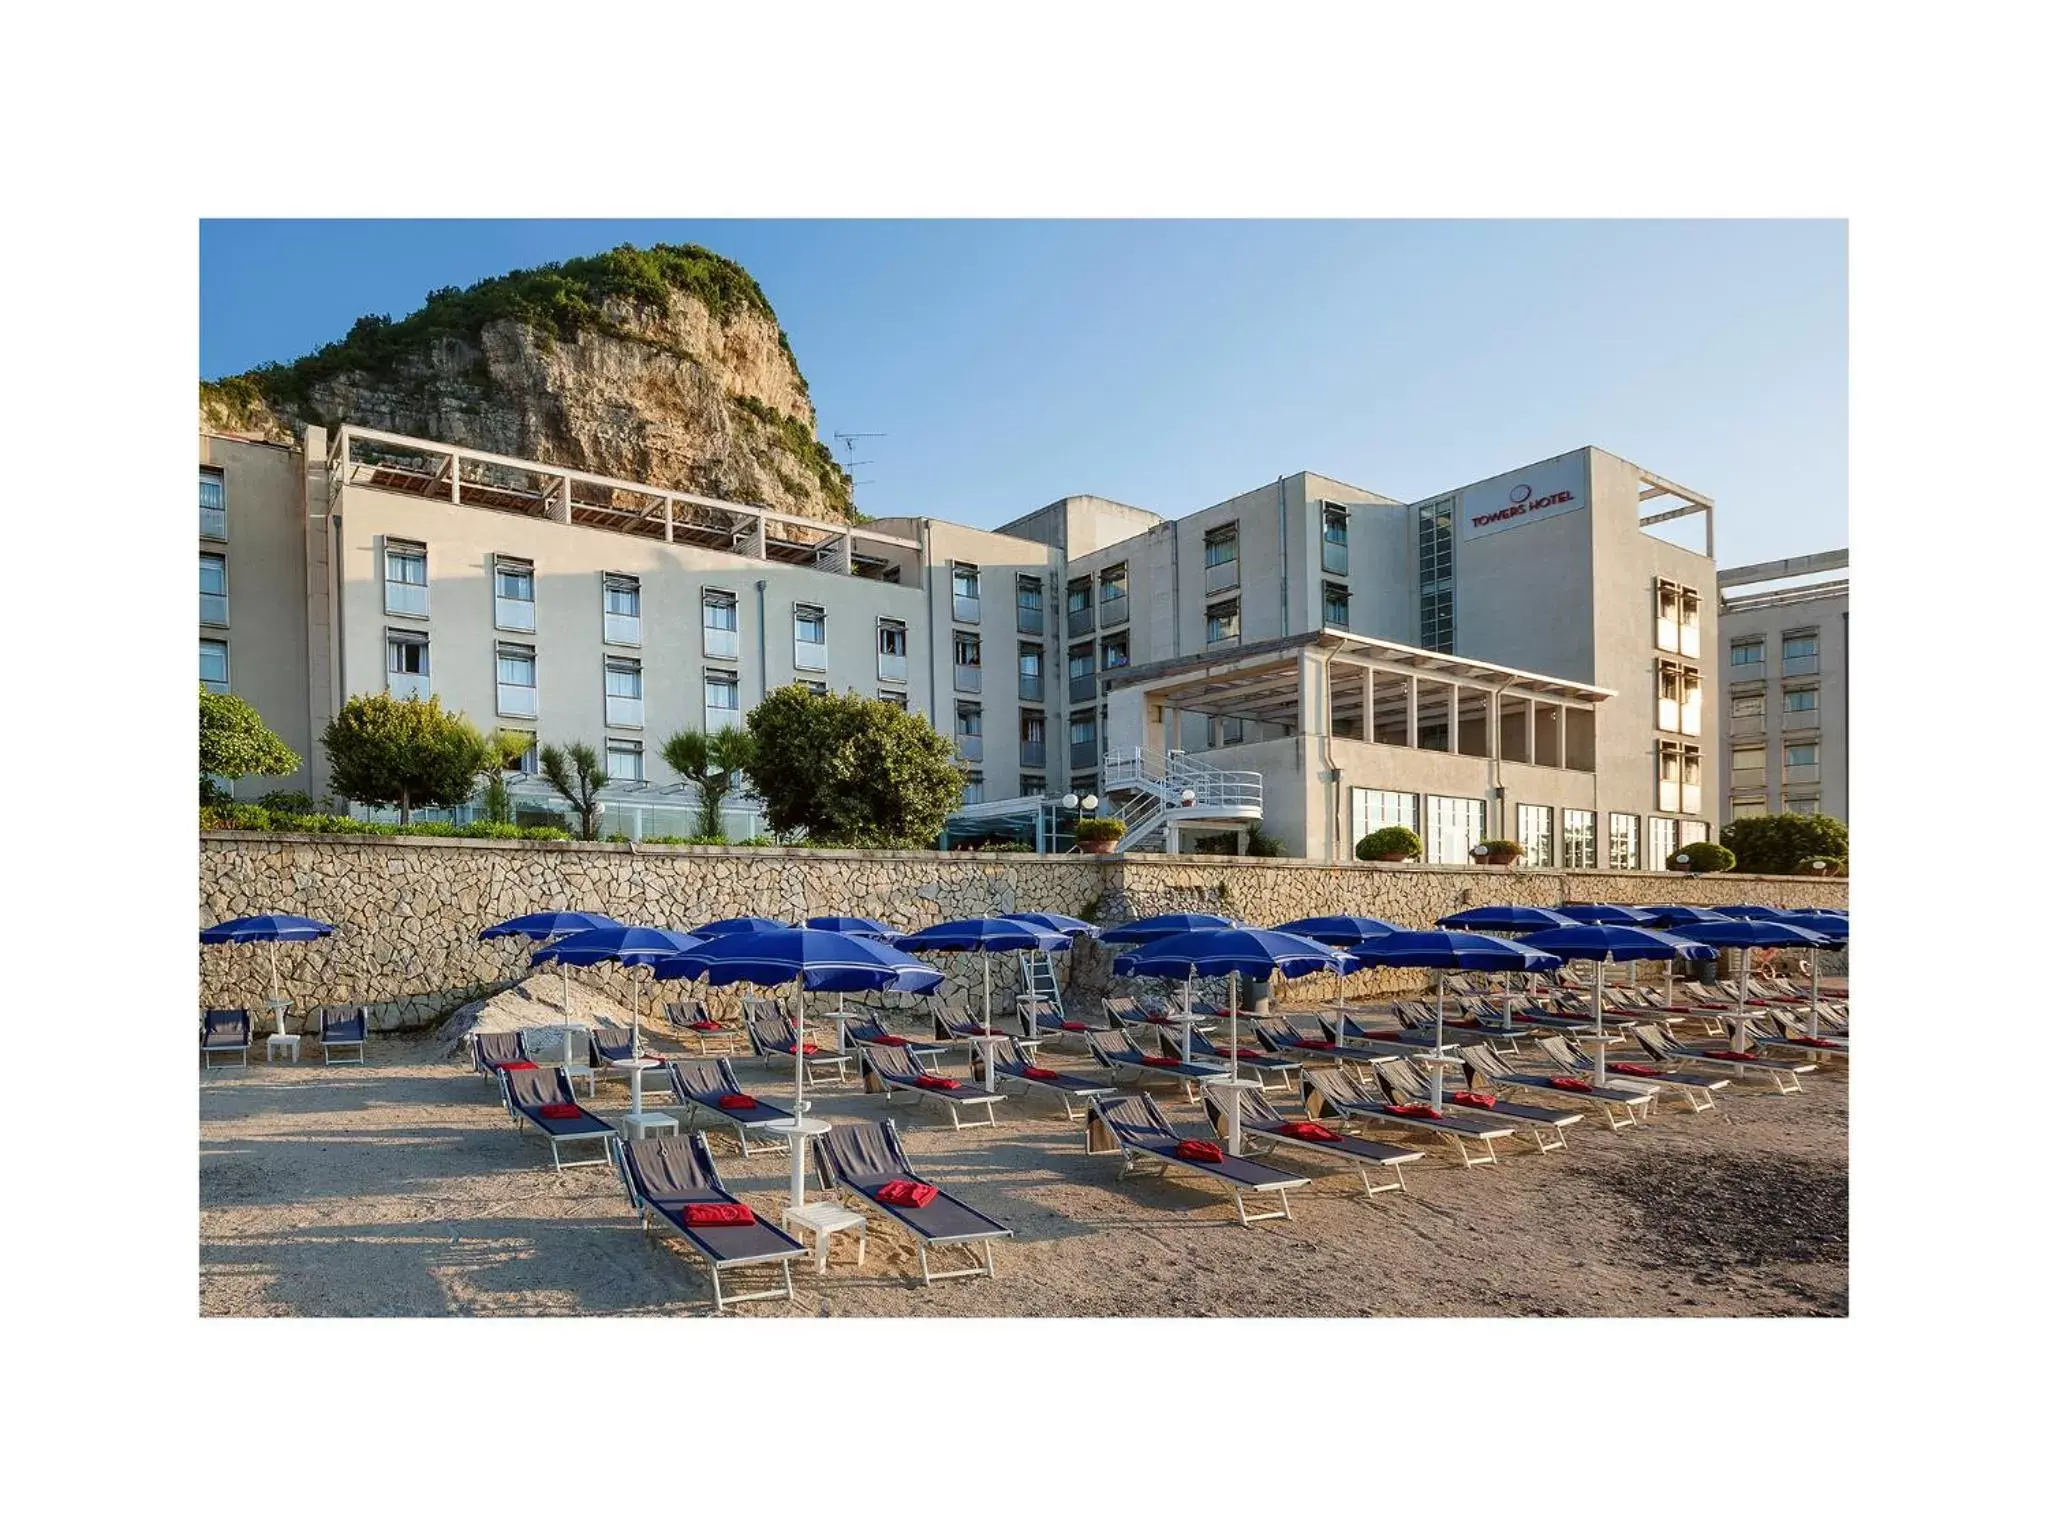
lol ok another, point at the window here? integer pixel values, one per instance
(1081, 672)
(213, 665)
(1746, 712)
(518, 685)
(814, 687)
(1624, 841)
(721, 624)
(892, 650)
(1746, 653)
(1116, 594)
(810, 638)
(622, 610)
(1336, 605)
(966, 661)
(213, 590)
(512, 593)
(213, 505)
(623, 704)
(1453, 825)
(1746, 768)
(1678, 776)
(896, 697)
(1532, 831)
(1800, 701)
(1435, 537)
(1031, 672)
(1030, 784)
(1691, 832)
(1678, 698)
(1688, 622)
(1081, 605)
(1578, 849)
(1663, 841)
(1802, 762)
(622, 760)
(1116, 651)
(966, 593)
(1336, 538)
(973, 791)
(1081, 743)
(1221, 623)
(1219, 558)
(405, 578)
(1031, 739)
(1745, 805)
(1030, 605)
(1225, 730)
(1805, 805)
(529, 760)
(1372, 809)
(1799, 653)
(721, 699)
(406, 674)
(967, 731)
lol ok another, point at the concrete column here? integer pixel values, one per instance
(1411, 712)
(1365, 682)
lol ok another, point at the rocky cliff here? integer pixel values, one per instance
(665, 366)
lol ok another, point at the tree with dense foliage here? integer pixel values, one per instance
(383, 750)
(578, 777)
(1702, 859)
(853, 771)
(1787, 844)
(234, 743)
(1391, 843)
(713, 762)
(507, 748)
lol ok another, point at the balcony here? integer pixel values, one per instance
(966, 679)
(1081, 756)
(213, 522)
(1114, 611)
(1081, 621)
(515, 613)
(405, 598)
(1030, 621)
(1031, 687)
(1689, 719)
(518, 702)
(1220, 577)
(1799, 666)
(1689, 640)
(408, 685)
(1745, 778)
(966, 609)
(1031, 754)
(1081, 688)
(892, 668)
(623, 709)
(1800, 773)
(621, 628)
(213, 609)
(722, 642)
(1336, 558)
(810, 655)
(969, 746)
(1689, 800)
(1745, 725)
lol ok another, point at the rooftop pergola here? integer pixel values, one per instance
(411, 466)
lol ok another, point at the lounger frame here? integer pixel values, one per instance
(1219, 1118)
(925, 1244)
(889, 1084)
(1132, 1152)
(716, 1266)
(208, 1052)
(1357, 1104)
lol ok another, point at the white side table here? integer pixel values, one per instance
(287, 1045)
(642, 1124)
(824, 1217)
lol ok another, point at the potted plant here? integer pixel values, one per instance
(1389, 845)
(1701, 859)
(1097, 834)
(1498, 850)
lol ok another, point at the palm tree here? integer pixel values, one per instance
(713, 764)
(507, 748)
(577, 778)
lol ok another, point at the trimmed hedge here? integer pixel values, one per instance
(1389, 843)
(1702, 859)
(242, 817)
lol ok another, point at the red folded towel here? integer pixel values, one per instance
(738, 1101)
(1076, 1026)
(704, 1026)
(1814, 1040)
(906, 1192)
(717, 1214)
(1041, 1074)
(1633, 1069)
(559, 1112)
(809, 1049)
(1377, 1034)
(1200, 1151)
(888, 1040)
(1733, 1055)
(1474, 1100)
(1417, 1111)
(1308, 1130)
(1573, 1084)
(1159, 1061)
(518, 1066)
(933, 1080)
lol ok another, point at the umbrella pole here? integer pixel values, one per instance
(988, 1041)
(1340, 1008)
(1742, 1004)
(1436, 1070)
(1599, 1029)
(636, 1025)
(796, 1141)
(1187, 1017)
(276, 1001)
(1813, 997)
(1236, 1111)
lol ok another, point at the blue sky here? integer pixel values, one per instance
(1172, 364)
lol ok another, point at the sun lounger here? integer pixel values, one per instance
(1623, 1105)
(1333, 1091)
(763, 1010)
(1782, 1075)
(540, 1098)
(953, 1023)
(1263, 1123)
(777, 1038)
(866, 1160)
(1282, 1035)
(341, 1029)
(1012, 1066)
(890, 1070)
(709, 1086)
(1131, 1124)
(1395, 1037)
(1046, 1023)
(694, 1023)
(610, 1044)
(224, 1032)
(665, 1176)
(1696, 1088)
(1119, 1053)
(1420, 1018)
(1402, 1084)
(872, 1031)
(488, 1053)
(1782, 1029)
(1260, 1064)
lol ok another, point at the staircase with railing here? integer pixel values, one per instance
(1158, 789)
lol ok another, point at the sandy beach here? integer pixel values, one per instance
(400, 1188)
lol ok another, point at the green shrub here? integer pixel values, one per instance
(1499, 845)
(1786, 844)
(1389, 843)
(1257, 845)
(1701, 859)
(257, 818)
(1098, 829)
(291, 802)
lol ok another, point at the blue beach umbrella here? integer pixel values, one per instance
(1744, 934)
(1058, 922)
(1670, 916)
(1740, 909)
(1340, 930)
(268, 928)
(1164, 925)
(1506, 920)
(1600, 943)
(1256, 952)
(545, 928)
(636, 949)
(726, 925)
(987, 935)
(1830, 925)
(1448, 949)
(817, 960)
(865, 927)
(1606, 912)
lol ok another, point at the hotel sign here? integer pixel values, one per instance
(1526, 496)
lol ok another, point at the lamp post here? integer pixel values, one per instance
(1684, 863)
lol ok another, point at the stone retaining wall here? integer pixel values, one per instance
(407, 911)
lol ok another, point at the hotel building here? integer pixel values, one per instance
(1785, 688)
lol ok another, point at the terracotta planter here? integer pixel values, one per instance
(1500, 858)
(1098, 845)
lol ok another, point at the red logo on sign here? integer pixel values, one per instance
(1523, 500)
(1519, 494)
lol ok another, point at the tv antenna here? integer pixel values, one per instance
(848, 439)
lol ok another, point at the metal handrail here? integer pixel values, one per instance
(1168, 776)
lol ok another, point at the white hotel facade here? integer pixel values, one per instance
(1523, 656)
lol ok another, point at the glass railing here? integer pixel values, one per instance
(1113, 611)
(1081, 755)
(213, 522)
(1031, 754)
(213, 609)
(1031, 687)
(621, 628)
(810, 655)
(966, 679)
(1336, 558)
(722, 644)
(892, 669)
(1030, 621)
(966, 610)
(403, 597)
(408, 685)
(1220, 578)
(620, 709)
(517, 613)
(717, 719)
(1081, 687)
(1081, 621)
(970, 747)
(1799, 666)
(518, 701)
